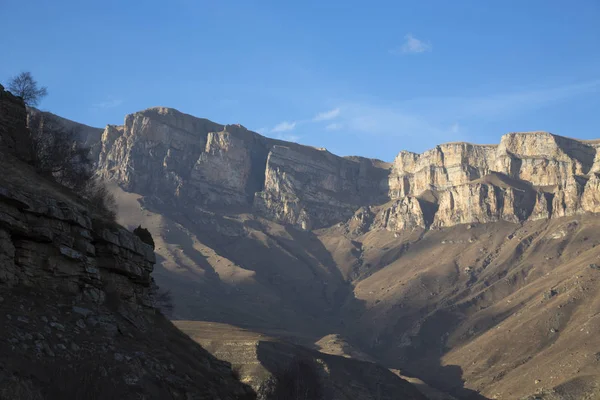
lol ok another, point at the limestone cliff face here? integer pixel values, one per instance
(543, 159)
(313, 188)
(405, 213)
(197, 163)
(200, 164)
(528, 176)
(590, 200)
(154, 151)
(442, 167)
(481, 203)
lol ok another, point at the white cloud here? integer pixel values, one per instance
(327, 115)
(108, 104)
(336, 126)
(455, 128)
(284, 127)
(412, 45)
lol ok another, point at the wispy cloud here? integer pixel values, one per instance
(425, 122)
(499, 105)
(108, 104)
(336, 126)
(327, 115)
(412, 45)
(284, 127)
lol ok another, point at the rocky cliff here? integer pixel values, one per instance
(199, 164)
(78, 301)
(13, 127)
(468, 266)
(227, 167)
(528, 176)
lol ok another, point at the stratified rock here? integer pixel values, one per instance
(567, 198)
(469, 203)
(543, 206)
(405, 213)
(231, 168)
(590, 200)
(444, 166)
(523, 162)
(312, 188)
(197, 163)
(192, 162)
(542, 158)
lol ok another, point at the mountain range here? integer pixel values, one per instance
(470, 270)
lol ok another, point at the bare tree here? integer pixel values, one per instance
(59, 155)
(24, 86)
(100, 198)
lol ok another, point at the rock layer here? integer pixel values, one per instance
(528, 176)
(203, 164)
(199, 164)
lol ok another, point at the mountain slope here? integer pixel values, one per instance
(467, 266)
(77, 306)
(256, 357)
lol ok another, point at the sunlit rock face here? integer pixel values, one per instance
(528, 176)
(194, 162)
(161, 151)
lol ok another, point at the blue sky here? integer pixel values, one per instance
(359, 78)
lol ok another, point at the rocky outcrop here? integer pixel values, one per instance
(78, 304)
(444, 166)
(590, 200)
(154, 151)
(405, 213)
(57, 244)
(197, 163)
(528, 176)
(14, 136)
(543, 159)
(313, 188)
(259, 357)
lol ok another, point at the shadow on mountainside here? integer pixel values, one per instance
(50, 356)
(337, 377)
(296, 290)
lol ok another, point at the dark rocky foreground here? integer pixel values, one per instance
(77, 318)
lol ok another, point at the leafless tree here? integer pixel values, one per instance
(59, 155)
(57, 152)
(101, 199)
(24, 86)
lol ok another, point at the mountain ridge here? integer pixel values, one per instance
(423, 275)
